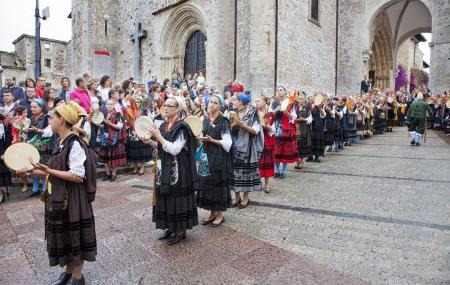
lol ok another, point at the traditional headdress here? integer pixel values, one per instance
(71, 112)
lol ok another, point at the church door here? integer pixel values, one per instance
(195, 56)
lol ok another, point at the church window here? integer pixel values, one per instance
(48, 62)
(314, 16)
(47, 46)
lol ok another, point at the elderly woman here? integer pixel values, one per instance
(249, 145)
(71, 179)
(215, 188)
(175, 208)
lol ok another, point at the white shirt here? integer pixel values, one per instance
(77, 157)
(103, 92)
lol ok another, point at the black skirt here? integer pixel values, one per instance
(175, 213)
(214, 198)
(138, 151)
(318, 145)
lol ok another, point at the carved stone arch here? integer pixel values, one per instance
(181, 24)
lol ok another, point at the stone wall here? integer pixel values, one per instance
(25, 48)
(306, 51)
(306, 57)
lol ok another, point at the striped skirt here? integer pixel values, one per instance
(246, 177)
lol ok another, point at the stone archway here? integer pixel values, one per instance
(381, 61)
(391, 23)
(182, 23)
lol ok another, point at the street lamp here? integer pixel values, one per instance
(37, 37)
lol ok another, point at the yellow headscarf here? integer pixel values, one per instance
(71, 112)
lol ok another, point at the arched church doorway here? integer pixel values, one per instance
(394, 22)
(195, 55)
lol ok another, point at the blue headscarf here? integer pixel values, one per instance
(40, 102)
(218, 96)
(245, 98)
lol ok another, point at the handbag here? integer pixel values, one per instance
(203, 166)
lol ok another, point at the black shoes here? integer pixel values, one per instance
(310, 158)
(413, 142)
(236, 204)
(73, 281)
(176, 239)
(276, 175)
(113, 178)
(417, 143)
(317, 160)
(106, 178)
(166, 235)
(242, 206)
(63, 279)
(214, 225)
(32, 194)
(206, 222)
(282, 176)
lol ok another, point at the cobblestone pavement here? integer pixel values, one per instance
(376, 213)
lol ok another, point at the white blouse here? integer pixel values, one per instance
(175, 147)
(77, 157)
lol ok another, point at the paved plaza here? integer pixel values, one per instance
(376, 213)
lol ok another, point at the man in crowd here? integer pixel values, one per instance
(365, 85)
(81, 96)
(416, 117)
(40, 87)
(16, 91)
(227, 87)
(26, 102)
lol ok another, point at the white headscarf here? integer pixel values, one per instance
(419, 96)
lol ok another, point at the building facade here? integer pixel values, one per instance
(308, 44)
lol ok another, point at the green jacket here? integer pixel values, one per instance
(418, 109)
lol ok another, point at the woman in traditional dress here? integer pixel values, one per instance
(35, 131)
(317, 134)
(112, 142)
(174, 207)
(349, 122)
(266, 164)
(69, 218)
(381, 116)
(303, 131)
(138, 153)
(359, 112)
(328, 137)
(249, 144)
(337, 124)
(401, 111)
(285, 148)
(215, 187)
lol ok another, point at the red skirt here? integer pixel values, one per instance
(113, 156)
(266, 165)
(285, 150)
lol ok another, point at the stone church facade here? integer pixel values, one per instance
(307, 44)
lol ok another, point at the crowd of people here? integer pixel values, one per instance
(245, 142)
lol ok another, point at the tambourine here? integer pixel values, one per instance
(141, 125)
(195, 123)
(319, 99)
(18, 156)
(233, 117)
(97, 118)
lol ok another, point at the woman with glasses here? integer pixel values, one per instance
(175, 208)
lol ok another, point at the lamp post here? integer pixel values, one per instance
(37, 37)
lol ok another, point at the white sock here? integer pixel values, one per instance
(418, 136)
